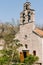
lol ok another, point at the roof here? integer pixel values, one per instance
(38, 32)
(32, 9)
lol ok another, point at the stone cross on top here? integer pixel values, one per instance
(26, 0)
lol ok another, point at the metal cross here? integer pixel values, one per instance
(27, 0)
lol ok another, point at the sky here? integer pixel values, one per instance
(10, 9)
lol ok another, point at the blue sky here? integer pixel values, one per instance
(11, 9)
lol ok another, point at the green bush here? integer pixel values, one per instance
(31, 59)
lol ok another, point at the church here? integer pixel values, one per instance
(30, 36)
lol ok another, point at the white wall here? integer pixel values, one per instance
(42, 51)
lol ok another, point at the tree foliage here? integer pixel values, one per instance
(9, 53)
(31, 59)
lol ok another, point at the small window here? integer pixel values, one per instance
(28, 13)
(34, 52)
(29, 16)
(26, 7)
(25, 45)
(25, 36)
(23, 15)
(23, 22)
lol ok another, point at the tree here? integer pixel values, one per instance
(31, 59)
(10, 52)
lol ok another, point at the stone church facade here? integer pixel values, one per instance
(29, 35)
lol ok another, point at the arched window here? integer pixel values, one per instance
(25, 35)
(34, 52)
(23, 15)
(23, 22)
(26, 46)
(29, 16)
(26, 7)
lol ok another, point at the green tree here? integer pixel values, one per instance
(31, 59)
(10, 52)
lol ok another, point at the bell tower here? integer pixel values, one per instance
(27, 15)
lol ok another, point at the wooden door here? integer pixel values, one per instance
(21, 57)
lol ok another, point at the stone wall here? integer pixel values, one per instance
(34, 42)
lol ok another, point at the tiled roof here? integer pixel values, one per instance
(38, 32)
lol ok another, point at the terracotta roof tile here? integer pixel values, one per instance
(38, 32)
